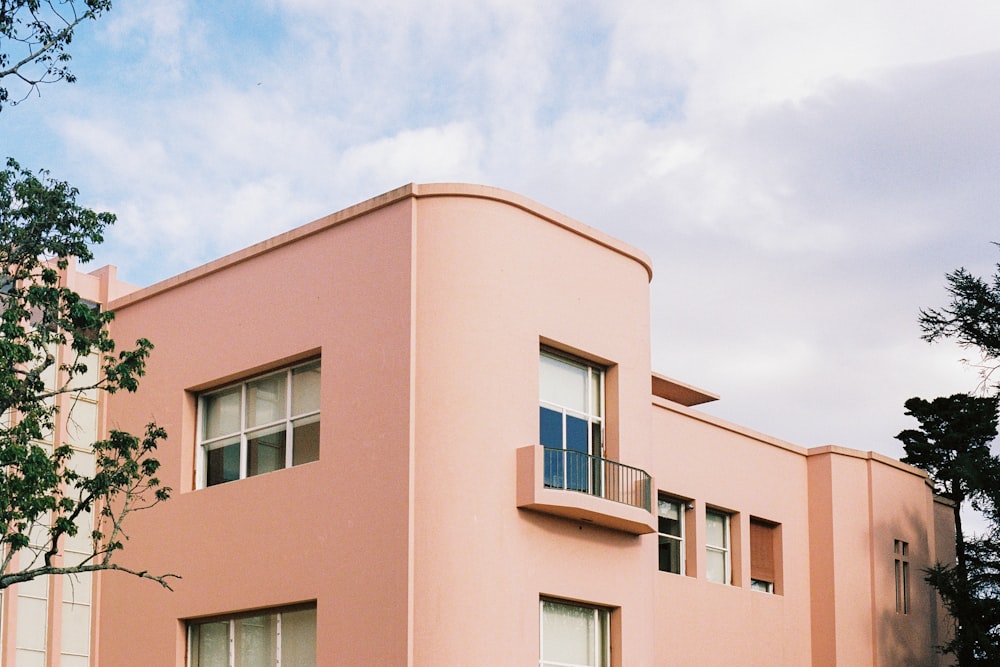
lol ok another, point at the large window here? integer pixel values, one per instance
(718, 566)
(571, 421)
(670, 521)
(574, 635)
(763, 564)
(285, 637)
(264, 424)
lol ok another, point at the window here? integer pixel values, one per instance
(670, 518)
(571, 422)
(901, 550)
(574, 635)
(264, 424)
(286, 637)
(717, 562)
(763, 566)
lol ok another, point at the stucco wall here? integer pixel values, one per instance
(333, 530)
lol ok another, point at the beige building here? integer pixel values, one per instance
(424, 431)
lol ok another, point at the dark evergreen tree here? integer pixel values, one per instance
(953, 446)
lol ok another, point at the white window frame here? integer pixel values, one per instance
(601, 639)
(593, 415)
(231, 621)
(725, 549)
(205, 445)
(680, 539)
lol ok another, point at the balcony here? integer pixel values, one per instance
(577, 486)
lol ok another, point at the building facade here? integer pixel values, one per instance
(424, 431)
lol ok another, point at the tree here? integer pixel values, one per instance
(953, 446)
(972, 318)
(34, 35)
(44, 495)
(55, 348)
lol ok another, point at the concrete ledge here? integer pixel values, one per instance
(574, 505)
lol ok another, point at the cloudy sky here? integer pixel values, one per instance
(803, 174)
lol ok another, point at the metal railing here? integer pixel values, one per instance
(578, 471)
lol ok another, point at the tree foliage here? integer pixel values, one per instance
(954, 446)
(54, 349)
(34, 35)
(972, 318)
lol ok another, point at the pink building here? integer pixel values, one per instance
(424, 431)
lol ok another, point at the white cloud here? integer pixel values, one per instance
(802, 174)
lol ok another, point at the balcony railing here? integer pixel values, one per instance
(578, 471)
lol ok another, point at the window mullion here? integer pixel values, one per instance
(289, 440)
(277, 648)
(243, 431)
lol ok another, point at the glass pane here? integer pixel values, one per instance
(81, 424)
(577, 434)
(210, 644)
(715, 530)
(32, 615)
(554, 464)
(669, 519)
(223, 463)
(596, 400)
(221, 413)
(305, 440)
(298, 638)
(670, 555)
(256, 641)
(76, 628)
(550, 428)
(266, 450)
(563, 384)
(568, 634)
(305, 389)
(266, 400)
(26, 658)
(715, 566)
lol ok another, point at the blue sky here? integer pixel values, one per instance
(802, 174)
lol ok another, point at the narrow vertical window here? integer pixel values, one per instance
(718, 567)
(574, 635)
(571, 422)
(763, 566)
(670, 522)
(901, 551)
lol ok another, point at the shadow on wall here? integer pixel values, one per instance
(911, 622)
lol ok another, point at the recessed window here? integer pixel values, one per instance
(571, 422)
(670, 523)
(901, 551)
(763, 565)
(574, 635)
(718, 566)
(279, 637)
(261, 425)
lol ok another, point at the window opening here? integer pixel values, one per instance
(670, 526)
(283, 638)
(574, 635)
(763, 568)
(571, 422)
(261, 425)
(718, 567)
(901, 550)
